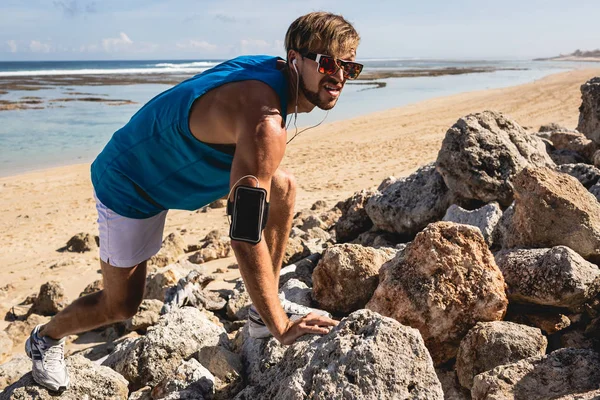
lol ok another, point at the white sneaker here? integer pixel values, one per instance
(49, 368)
(259, 330)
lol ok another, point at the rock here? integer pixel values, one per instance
(19, 331)
(177, 336)
(13, 370)
(577, 340)
(294, 250)
(312, 221)
(146, 316)
(562, 372)
(173, 247)
(189, 381)
(408, 205)
(490, 344)
(333, 366)
(574, 141)
(347, 275)
(589, 111)
(595, 190)
(548, 322)
(316, 233)
(82, 242)
(354, 219)
(553, 209)
(552, 127)
(503, 228)
(93, 287)
(565, 156)
(596, 159)
(485, 218)
(219, 203)
(214, 247)
(386, 183)
(586, 174)
(444, 282)
(451, 387)
(144, 393)
(376, 239)
(301, 270)
(482, 153)
(239, 302)
(556, 277)
(87, 381)
(6, 346)
(159, 282)
(259, 356)
(227, 368)
(319, 205)
(297, 292)
(50, 300)
(592, 395)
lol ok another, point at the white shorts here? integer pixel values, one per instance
(126, 242)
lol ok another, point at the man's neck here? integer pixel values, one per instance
(304, 106)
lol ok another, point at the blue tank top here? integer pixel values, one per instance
(154, 163)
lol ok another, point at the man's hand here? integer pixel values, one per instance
(311, 323)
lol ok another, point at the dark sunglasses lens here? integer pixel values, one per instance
(327, 65)
(352, 70)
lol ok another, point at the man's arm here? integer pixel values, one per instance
(260, 146)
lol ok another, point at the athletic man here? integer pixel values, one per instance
(191, 145)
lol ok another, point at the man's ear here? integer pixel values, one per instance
(292, 56)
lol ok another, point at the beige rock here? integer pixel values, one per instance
(19, 331)
(347, 275)
(553, 209)
(13, 370)
(81, 243)
(444, 283)
(147, 315)
(50, 300)
(93, 287)
(354, 219)
(173, 247)
(574, 141)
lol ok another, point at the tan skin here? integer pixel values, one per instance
(248, 115)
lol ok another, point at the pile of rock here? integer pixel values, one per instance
(475, 277)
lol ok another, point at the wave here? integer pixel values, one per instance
(116, 71)
(187, 65)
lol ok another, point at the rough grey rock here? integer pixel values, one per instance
(443, 283)
(490, 344)
(239, 302)
(552, 277)
(587, 174)
(146, 316)
(347, 275)
(562, 372)
(297, 292)
(482, 153)
(386, 182)
(565, 156)
(88, 381)
(334, 366)
(177, 336)
(589, 111)
(376, 239)
(451, 387)
(485, 218)
(13, 370)
(301, 270)
(259, 356)
(595, 190)
(354, 219)
(50, 300)
(409, 204)
(82, 242)
(191, 380)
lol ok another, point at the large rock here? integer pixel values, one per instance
(354, 219)
(82, 242)
(589, 111)
(347, 275)
(552, 277)
(259, 356)
(297, 292)
(177, 336)
(553, 209)
(409, 204)
(444, 282)
(563, 372)
(13, 370)
(50, 300)
(87, 381)
(595, 191)
(366, 356)
(586, 174)
(482, 153)
(239, 302)
(574, 141)
(485, 218)
(160, 280)
(173, 247)
(190, 381)
(490, 344)
(146, 316)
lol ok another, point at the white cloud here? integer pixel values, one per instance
(117, 44)
(39, 47)
(255, 46)
(197, 45)
(12, 44)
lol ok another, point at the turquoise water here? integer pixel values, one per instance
(76, 132)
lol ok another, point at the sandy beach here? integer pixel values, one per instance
(41, 211)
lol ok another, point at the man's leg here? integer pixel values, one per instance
(122, 294)
(281, 213)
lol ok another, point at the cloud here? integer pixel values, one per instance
(12, 45)
(39, 47)
(197, 45)
(225, 18)
(255, 46)
(117, 44)
(72, 8)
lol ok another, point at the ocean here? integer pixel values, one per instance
(66, 132)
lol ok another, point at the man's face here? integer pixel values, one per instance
(320, 89)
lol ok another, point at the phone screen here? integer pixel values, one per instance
(248, 213)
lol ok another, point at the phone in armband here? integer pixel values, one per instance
(249, 211)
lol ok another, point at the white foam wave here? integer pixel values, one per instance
(116, 71)
(187, 65)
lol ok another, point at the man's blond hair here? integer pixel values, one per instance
(322, 32)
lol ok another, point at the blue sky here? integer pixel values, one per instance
(209, 29)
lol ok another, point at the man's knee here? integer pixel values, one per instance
(283, 185)
(124, 307)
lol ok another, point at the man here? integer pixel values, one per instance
(191, 145)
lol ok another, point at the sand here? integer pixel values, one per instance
(41, 211)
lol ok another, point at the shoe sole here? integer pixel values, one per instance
(52, 389)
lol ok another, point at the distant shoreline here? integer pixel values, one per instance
(569, 58)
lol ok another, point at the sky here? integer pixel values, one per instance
(210, 29)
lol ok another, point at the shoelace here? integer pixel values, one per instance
(53, 357)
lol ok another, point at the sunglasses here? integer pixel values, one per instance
(329, 65)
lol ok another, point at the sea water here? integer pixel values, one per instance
(74, 132)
